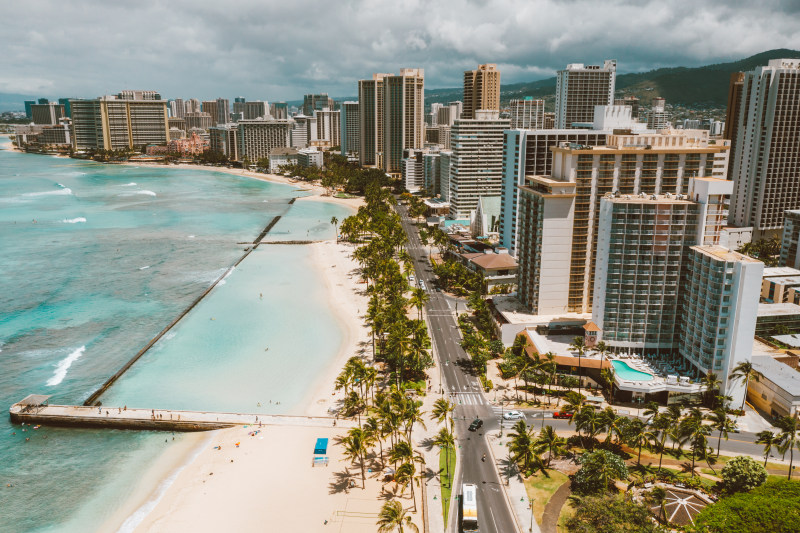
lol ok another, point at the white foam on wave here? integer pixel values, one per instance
(63, 366)
(73, 220)
(141, 513)
(146, 193)
(191, 236)
(144, 267)
(64, 191)
(131, 184)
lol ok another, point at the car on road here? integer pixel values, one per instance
(476, 424)
(411, 278)
(561, 414)
(422, 285)
(513, 415)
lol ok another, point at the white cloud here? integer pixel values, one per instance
(279, 50)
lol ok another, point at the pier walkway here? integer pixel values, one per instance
(39, 412)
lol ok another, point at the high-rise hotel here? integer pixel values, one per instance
(481, 90)
(128, 121)
(766, 163)
(581, 87)
(559, 213)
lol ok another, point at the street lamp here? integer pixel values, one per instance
(501, 419)
(531, 528)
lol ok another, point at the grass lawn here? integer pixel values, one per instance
(567, 511)
(446, 481)
(541, 488)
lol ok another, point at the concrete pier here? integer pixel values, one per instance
(156, 419)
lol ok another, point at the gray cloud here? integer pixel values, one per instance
(280, 50)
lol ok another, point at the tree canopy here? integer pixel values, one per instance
(774, 507)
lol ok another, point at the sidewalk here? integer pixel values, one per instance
(515, 488)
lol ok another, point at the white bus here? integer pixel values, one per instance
(469, 507)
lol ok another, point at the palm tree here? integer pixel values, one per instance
(661, 423)
(769, 440)
(405, 476)
(335, 222)
(720, 422)
(418, 299)
(712, 383)
(445, 440)
(589, 421)
(376, 429)
(522, 445)
(441, 409)
(602, 348)
(614, 424)
(744, 372)
(356, 445)
(579, 346)
(789, 426)
(393, 517)
(637, 436)
(693, 431)
(549, 438)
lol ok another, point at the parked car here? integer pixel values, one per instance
(513, 415)
(476, 424)
(561, 414)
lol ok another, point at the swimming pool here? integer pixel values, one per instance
(627, 373)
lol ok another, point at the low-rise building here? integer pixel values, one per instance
(777, 318)
(309, 157)
(777, 390)
(280, 157)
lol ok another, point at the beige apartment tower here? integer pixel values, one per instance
(112, 123)
(370, 120)
(481, 90)
(403, 116)
(579, 88)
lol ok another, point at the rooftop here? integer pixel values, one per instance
(724, 254)
(784, 280)
(784, 376)
(494, 261)
(770, 272)
(778, 309)
(789, 340)
(514, 312)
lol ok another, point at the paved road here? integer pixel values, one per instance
(494, 514)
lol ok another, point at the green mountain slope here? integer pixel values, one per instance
(705, 86)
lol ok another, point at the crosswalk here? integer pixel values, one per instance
(468, 398)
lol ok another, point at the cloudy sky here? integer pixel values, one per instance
(281, 49)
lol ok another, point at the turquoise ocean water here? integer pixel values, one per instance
(94, 261)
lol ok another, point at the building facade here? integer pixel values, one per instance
(403, 116)
(528, 153)
(47, 114)
(731, 131)
(224, 139)
(316, 102)
(581, 87)
(257, 138)
(370, 106)
(660, 164)
(329, 127)
(112, 123)
(766, 168)
(413, 170)
(527, 114)
(349, 129)
(481, 90)
(477, 161)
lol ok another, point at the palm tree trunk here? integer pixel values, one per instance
(766, 456)
(639, 459)
(791, 460)
(363, 474)
(579, 372)
(719, 442)
(744, 398)
(413, 497)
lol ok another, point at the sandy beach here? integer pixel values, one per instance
(318, 193)
(269, 477)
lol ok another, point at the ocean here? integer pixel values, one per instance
(95, 260)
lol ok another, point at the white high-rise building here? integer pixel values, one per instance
(527, 114)
(477, 161)
(766, 166)
(412, 169)
(581, 87)
(328, 127)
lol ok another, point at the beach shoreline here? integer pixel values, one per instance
(246, 477)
